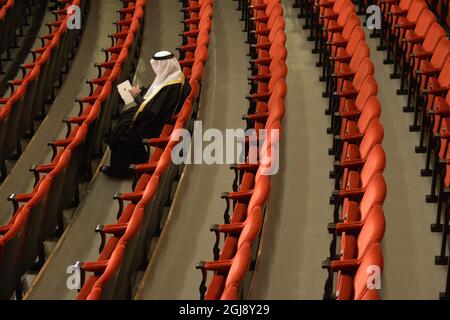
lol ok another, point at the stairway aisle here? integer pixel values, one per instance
(95, 37)
(80, 242)
(186, 238)
(295, 238)
(409, 246)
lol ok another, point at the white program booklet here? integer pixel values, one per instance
(124, 91)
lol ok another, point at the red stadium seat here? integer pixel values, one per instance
(354, 276)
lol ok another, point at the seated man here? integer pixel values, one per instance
(155, 107)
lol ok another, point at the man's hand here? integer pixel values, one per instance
(135, 91)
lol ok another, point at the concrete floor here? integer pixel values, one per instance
(187, 239)
(80, 242)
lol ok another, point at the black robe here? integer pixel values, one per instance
(125, 140)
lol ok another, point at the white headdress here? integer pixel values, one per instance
(167, 70)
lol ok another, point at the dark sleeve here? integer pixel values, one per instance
(186, 92)
(161, 106)
(140, 98)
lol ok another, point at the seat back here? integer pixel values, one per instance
(17, 101)
(444, 76)
(274, 7)
(347, 9)
(372, 231)
(445, 129)
(203, 38)
(32, 242)
(277, 34)
(362, 51)
(277, 110)
(152, 202)
(276, 12)
(10, 245)
(236, 274)
(276, 22)
(205, 24)
(372, 259)
(41, 93)
(338, 5)
(278, 52)
(70, 191)
(374, 134)
(252, 227)
(279, 72)
(197, 71)
(405, 4)
(54, 215)
(29, 100)
(375, 164)
(375, 195)
(127, 267)
(365, 69)
(369, 88)
(356, 36)
(354, 285)
(4, 114)
(427, 18)
(416, 9)
(441, 53)
(279, 89)
(370, 111)
(205, 9)
(352, 22)
(434, 35)
(260, 193)
(104, 287)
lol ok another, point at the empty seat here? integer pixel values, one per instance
(354, 277)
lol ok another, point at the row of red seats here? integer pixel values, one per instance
(440, 7)
(421, 54)
(196, 36)
(309, 13)
(38, 215)
(127, 247)
(442, 10)
(359, 159)
(405, 28)
(28, 95)
(265, 24)
(6, 22)
(11, 17)
(397, 18)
